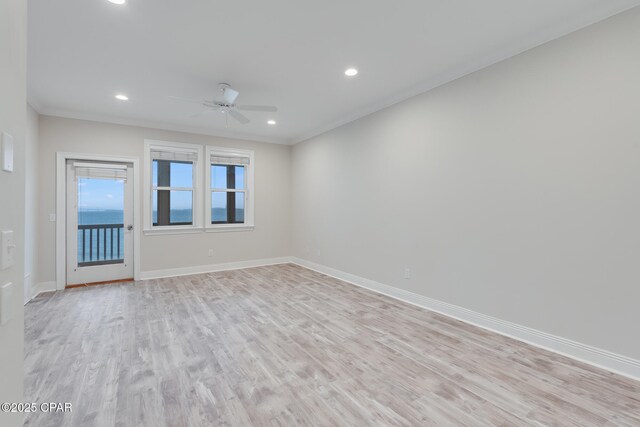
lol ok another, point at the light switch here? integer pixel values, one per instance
(52, 217)
(7, 152)
(6, 306)
(7, 249)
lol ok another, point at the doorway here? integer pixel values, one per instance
(99, 222)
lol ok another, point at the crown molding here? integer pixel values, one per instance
(56, 112)
(550, 33)
(34, 104)
(601, 12)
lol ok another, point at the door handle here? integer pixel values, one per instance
(129, 227)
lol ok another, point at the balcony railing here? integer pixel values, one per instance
(100, 244)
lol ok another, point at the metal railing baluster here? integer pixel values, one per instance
(107, 257)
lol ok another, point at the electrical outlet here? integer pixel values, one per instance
(407, 273)
(210, 252)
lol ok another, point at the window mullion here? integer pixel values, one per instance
(164, 196)
(231, 196)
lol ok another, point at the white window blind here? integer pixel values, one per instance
(229, 159)
(101, 171)
(175, 155)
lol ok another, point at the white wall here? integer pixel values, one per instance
(269, 239)
(31, 204)
(13, 26)
(513, 192)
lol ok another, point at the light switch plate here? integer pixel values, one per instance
(7, 152)
(7, 249)
(6, 306)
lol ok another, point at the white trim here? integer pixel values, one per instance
(603, 359)
(212, 268)
(150, 124)
(33, 102)
(28, 290)
(42, 287)
(149, 145)
(249, 207)
(61, 206)
(515, 47)
(119, 166)
(173, 230)
(599, 12)
(223, 228)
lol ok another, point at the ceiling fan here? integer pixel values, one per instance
(225, 103)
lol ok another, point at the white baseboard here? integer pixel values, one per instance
(42, 287)
(200, 269)
(604, 359)
(594, 356)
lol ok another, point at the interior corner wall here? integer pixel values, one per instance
(268, 240)
(31, 204)
(13, 101)
(513, 192)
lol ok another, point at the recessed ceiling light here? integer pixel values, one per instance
(351, 72)
(271, 122)
(117, 1)
(122, 97)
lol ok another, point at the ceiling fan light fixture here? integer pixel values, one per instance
(351, 72)
(121, 97)
(271, 122)
(226, 105)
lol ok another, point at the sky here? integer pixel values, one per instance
(109, 194)
(100, 194)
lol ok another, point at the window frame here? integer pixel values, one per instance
(248, 190)
(196, 226)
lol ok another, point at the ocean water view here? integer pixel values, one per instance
(100, 216)
(97, 244)
(101, 231)
(100, 244)
(116, 216)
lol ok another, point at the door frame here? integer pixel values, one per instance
(61, 210)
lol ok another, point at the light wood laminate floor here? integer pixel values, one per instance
(283, 345)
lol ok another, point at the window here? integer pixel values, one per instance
(172, 177)
(229, 198)
(172, 192)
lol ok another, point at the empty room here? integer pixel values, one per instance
(330, 213)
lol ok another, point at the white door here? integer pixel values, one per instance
(99, 222)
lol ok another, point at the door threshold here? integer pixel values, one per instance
(108, 282)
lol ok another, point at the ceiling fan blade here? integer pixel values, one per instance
(229, 95)
(239, 117)
(269, 108)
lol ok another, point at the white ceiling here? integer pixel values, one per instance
(288, 53)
